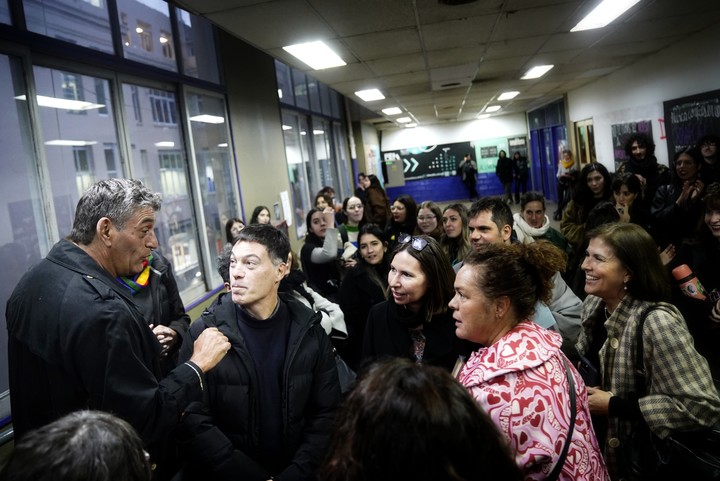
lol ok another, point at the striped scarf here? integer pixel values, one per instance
(140, 281)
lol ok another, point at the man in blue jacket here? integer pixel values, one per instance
(77, 340)
(269, 404)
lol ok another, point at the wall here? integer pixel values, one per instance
(637, 92)
(444, 189)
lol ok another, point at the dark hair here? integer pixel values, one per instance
(116, 199)
(372, 271)
(502, 152)
(637, 251)
(643, 140)
(603, 213)
(410, 208)
(522, 272)
(499, 210)
(273, 239)
(438, 272)
(435, 209)
(228, 227)
(361, 174)
(694, 154)
(710, 138)
(627, 179)
(328, 199)
(223, 262)
(84, 445)
(460, 245)
(256, 213)
(308, 222)
(711, 201)
(583, 195)
(532, 197)
(347, 199)
(412, 421)
(327, 190)
(516, 153)
(374, 181)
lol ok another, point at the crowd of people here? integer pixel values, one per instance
(477, 335)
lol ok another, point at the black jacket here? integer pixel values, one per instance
(671, 223)
(77, 341)
(218, 438)
(386, 336)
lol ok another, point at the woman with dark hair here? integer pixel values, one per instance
(416, 322)
(354, 213)
(504, 172)
(627, 283)
(455, 240)
(593, 186)
(319, 254)
(520, 376)
(363, 286)
(677, 207)
(428, 220)
(702, 256)
(627, 192)
(410, 421)
(232, 228)
(404, 219)
(260, 215)
(377, 208)
(521, 169)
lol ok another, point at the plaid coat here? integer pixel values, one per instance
(680, 395)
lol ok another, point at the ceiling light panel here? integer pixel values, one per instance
(316, 55)
(370, 95)
(603, 14)
(537, 72)
(493, 108)
(392, 111)
(403, 120)
(508, 95)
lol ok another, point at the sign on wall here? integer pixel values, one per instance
(687, 119)
(430, 161)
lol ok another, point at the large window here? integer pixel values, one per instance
(145, 27)
(198, 47)
(297, 152)
(82, 23)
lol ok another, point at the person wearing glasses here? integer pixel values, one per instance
(415, 323)
(403, 220)
(428, 220)
(708, 147)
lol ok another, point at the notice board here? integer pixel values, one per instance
(687, 119)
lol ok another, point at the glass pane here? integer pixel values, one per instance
(343, 160)
(323, 157)
(4, 12)
(284, 81)
(158, 159)
(214, 163)
(82, 22)
(146, 32)
(297, 154)
(335, 102)
(325, 99)
(23, 238)
(314, 93)
(76, 128)
(197, 42)
(300, 87)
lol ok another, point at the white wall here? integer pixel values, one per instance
(501, 126)
(637, 92)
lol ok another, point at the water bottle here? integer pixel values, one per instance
(689, 283)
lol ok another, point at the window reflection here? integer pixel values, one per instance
(76, 127)
(158, 159)
(298, 154)
(4, 12)
(84, 23)
(23, 238)
(197, 42)
(145, 31)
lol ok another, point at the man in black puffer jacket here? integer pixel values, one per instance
(269, 405)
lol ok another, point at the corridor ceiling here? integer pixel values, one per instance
(445, 63)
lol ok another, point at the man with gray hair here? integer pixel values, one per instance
(76, 338)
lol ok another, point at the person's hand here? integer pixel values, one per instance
(329, 214)
(642, 180)
(667, 254)
(624, 213)
(685, 192)
(697, 189)
(209, 348)
(348, 263)
(598, 401)
(166, 337)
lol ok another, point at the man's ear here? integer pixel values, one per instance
(282, 270)
(104, 231)
(506, 233)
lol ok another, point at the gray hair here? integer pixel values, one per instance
(116, 199)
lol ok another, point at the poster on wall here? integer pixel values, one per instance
(487, 152)
(429, 161)
(687, 119)
(620, 134)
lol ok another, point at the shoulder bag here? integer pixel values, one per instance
(555, 474)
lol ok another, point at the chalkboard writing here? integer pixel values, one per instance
(430, 161)
(486, 152)
(687, 119)
(620, 134)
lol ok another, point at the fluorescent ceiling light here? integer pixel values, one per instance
(370, 95)
(318, 132)
(223, 145)
(537, 72)
(163, 40)
(286, 127)
(315, 54)
(71, 143)
(208, 119)
(483, 116)
(403, 120)
(603, 14)
(165, 143)
(493, 108)
(508, 95)
(410, 125)
(279, 93)
(66, 104)
(392, 111)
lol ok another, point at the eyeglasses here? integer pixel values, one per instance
(355, 207)
(417, 243)
(423, 218)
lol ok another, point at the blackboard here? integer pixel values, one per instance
(430, 161)
(687, 119)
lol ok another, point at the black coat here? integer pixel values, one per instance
(78, 341)
(670, 223)
(218, 437)
(386, 336)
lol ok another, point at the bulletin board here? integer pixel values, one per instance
(687, 119)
